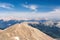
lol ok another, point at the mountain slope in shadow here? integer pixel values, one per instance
(52, 31)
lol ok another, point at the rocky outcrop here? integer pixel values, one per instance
(23, 32)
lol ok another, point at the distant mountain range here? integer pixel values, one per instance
(52, 31)
(4, 24)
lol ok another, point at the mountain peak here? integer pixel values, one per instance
(23, 32)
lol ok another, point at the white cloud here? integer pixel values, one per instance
(31, 7)
(6, 5)
(54, 14)
(47, 15)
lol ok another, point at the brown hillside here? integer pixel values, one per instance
(23, 32)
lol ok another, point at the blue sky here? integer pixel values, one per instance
(32, 8)
(44, 5)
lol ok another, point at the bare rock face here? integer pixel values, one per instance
(23, 32)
